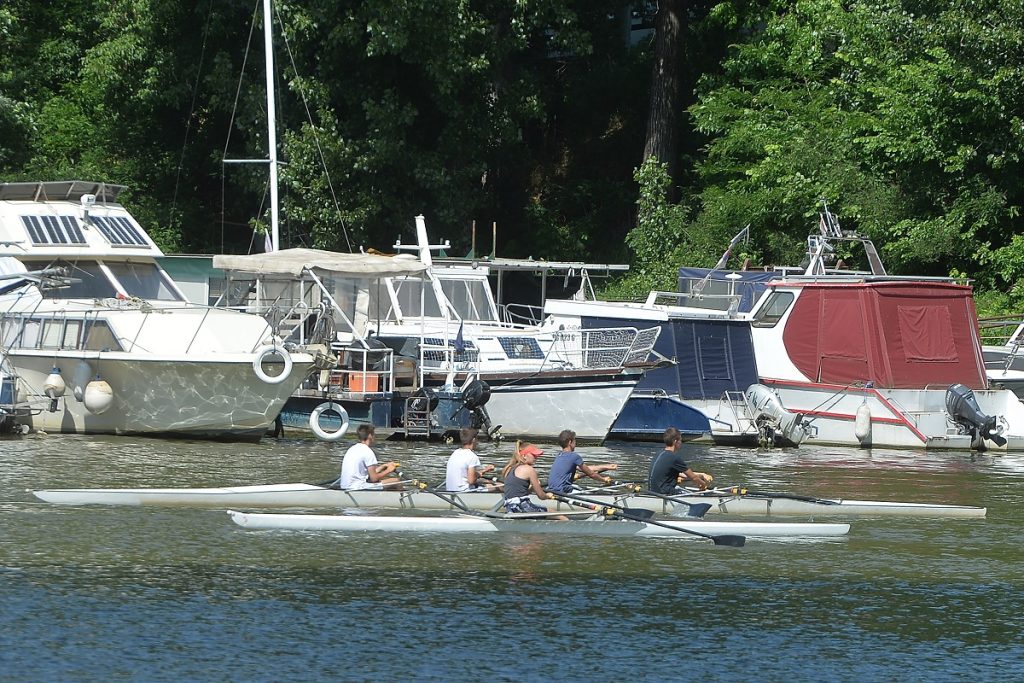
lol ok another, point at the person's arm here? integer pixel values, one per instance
(376, 473)
(699, 478)
(594, 472)
(536, 487)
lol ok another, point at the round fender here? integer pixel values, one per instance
(325, 407)
(266, 352)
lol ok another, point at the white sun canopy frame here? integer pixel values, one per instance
(295, 262)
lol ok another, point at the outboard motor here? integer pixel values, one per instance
(476, 394)
(963, 407)
(474, 397)
(772, 418)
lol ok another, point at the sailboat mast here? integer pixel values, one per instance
(271, 124)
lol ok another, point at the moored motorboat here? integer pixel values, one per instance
(586, 527)
(732, 501)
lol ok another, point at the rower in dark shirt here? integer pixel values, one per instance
(669, 467)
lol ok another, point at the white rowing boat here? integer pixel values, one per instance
(722, 501)
(586, 527)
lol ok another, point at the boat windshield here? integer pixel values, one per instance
(144, 280)
(470, 299)
(88, 281)
(408, 292)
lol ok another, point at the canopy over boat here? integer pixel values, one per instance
(293, 262)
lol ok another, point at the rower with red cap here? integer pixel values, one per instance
(521, 479)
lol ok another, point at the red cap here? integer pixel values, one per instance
(530, 449)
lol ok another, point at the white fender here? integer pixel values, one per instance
(99, 396)
(54, 386)
(862, 423)
(79, 378)
(266, 352)
(325, 407)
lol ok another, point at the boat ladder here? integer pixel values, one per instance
(416, 417)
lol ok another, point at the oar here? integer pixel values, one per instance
(640, 513)
(450, 499)
(695, 509)
(628, 513)
(740, 491)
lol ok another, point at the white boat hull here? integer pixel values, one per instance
(899, 418)
(541, 409)
(468, 523)
(311, 496)
(212, 397)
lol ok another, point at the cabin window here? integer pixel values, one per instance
(470, 299)
(88, 281)
(409, 291)
(773, 309)
(10, 330)
(53, 333)
(99, 337)
(144, 280)
(927, 334)
(30, 334)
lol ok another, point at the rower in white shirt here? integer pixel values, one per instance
(360, 469)
(464, 471)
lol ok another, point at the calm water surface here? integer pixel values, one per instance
(107, 593)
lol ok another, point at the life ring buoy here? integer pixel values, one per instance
(325, 407)
(266, 352)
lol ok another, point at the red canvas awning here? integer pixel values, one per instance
(896, 335)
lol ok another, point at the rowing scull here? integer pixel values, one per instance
(312, 496)
(586, 527)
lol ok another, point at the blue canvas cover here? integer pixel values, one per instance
(712, 356)
(749, 286)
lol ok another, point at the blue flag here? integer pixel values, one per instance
(460, 343)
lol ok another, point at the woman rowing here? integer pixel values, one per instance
(521, 478)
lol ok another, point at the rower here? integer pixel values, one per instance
(669, 465)
(464, 470)
(521, 478)
(565, 464)
(360, 469)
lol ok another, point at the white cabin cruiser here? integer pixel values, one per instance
(103, 342)
(539, 379)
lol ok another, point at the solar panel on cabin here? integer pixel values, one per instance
(119, 231)
(53, 230)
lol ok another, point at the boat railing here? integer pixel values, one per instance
(605, 348)
(360, 371)
(521, 314)
(1001, 330)
(704, 297)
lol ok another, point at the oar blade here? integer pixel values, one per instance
(638, 514)
(698, 510)
(730, 540)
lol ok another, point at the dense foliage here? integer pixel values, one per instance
(904, 115)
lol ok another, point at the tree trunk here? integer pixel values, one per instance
(662, 125)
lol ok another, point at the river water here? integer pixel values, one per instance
(109, 593)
